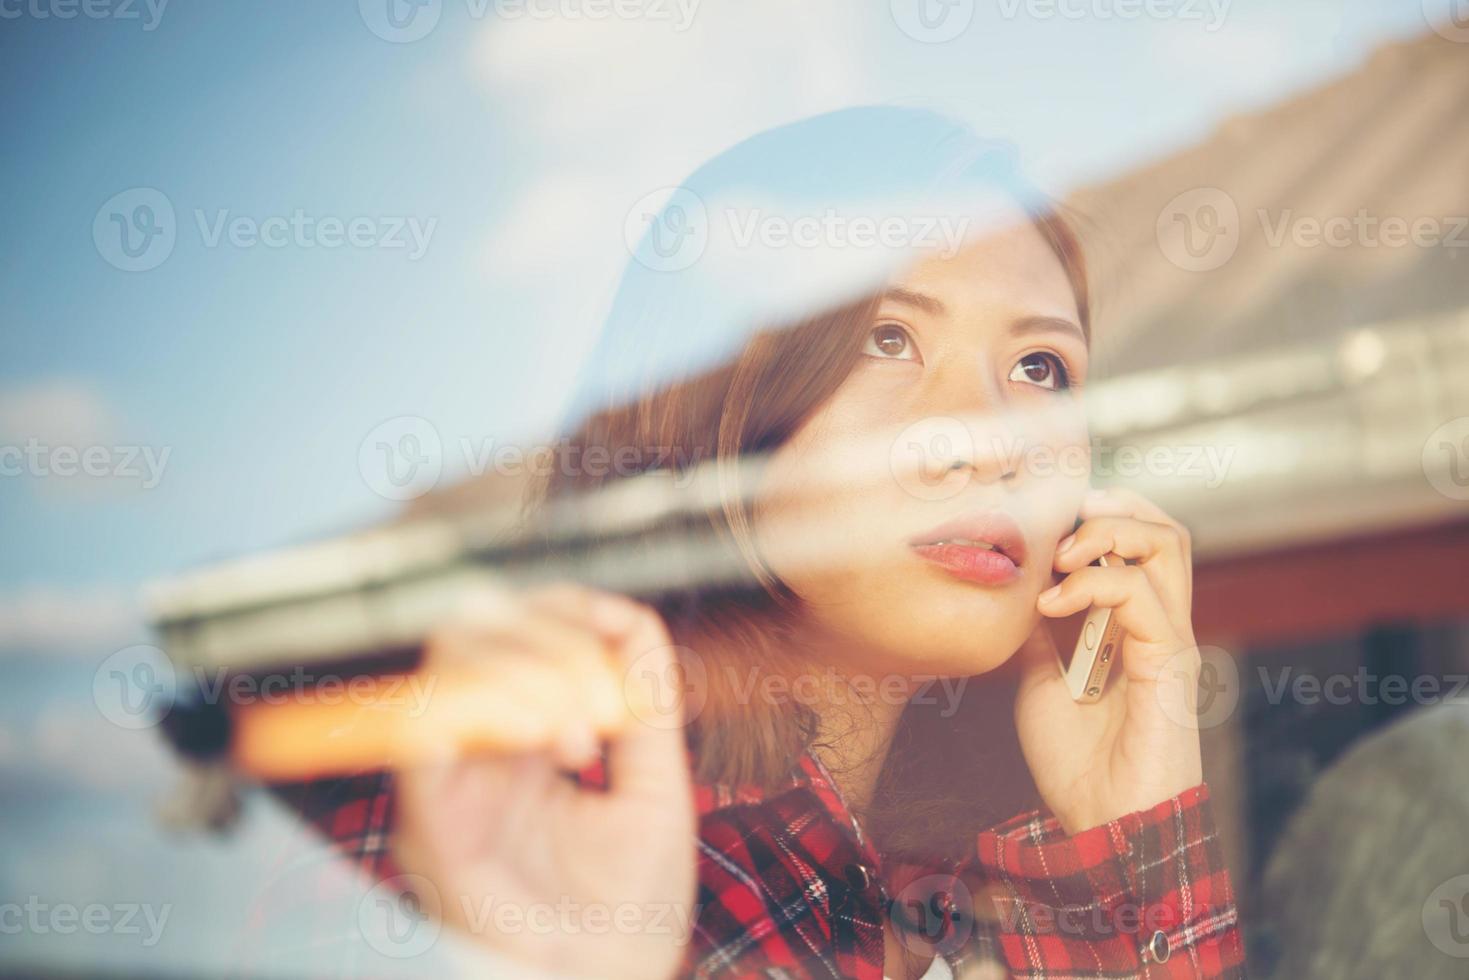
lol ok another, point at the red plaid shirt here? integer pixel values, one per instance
(789, 886)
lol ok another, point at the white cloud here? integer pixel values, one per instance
(86, 621)
(607, 111)
(1249, 63)
(618, 108)
(61, 436)
(56, 412)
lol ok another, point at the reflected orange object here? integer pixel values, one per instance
(410, 719)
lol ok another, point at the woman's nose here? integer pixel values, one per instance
(986, 436)
(936, 456)
(987, 467)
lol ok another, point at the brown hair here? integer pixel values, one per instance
(927, 801)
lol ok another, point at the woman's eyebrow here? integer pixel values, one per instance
(1048, 324)
(922, 301)
(1025, 325)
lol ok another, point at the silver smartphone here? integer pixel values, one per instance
(1087, 644)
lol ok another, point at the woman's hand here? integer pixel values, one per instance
(601, 884)
(1128, 751)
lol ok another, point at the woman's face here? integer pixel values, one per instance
(917, 512)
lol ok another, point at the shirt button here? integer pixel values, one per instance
(858, 877)
(1159, 947)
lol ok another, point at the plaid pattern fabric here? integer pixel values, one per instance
(1114, 900)
(790, 887)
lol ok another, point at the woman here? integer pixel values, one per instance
(866, 706)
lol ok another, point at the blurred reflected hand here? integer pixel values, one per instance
(493, 830)
(1129, 751)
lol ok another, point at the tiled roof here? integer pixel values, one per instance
(1389, 140)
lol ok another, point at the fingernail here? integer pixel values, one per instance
(1066, 544)
(1050, 593)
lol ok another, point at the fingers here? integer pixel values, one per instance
(1159, 549)
(649, 758)
(607, 651)
(1122, 502)
(535, 667)
(1126, 590)
(1133, 539)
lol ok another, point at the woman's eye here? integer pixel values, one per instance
(1042, 370)
(892, 342)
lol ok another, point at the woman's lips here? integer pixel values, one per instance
(986, 548)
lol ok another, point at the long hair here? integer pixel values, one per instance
(722, 359)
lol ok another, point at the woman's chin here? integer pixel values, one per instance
(971, 637)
